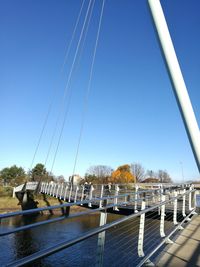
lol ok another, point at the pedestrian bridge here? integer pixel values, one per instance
(158, 213)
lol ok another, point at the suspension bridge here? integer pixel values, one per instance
(157, 213)
(151, 218)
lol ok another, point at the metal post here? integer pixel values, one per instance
(75, 198)
(90, 196)
(183, 208)
(101, 240)
(190, 198)
(141, 232)
(162, 218)
(57, 190)
(176, 77)
(41, 188)
(136, 198)
(101, 195)
(54, 189)
(70, 193)
(46, 185)
(48, 188)
(65, 194)
(13, 195)
(51, 190)
(61, 191)
(175, 209)
(82, 193)
(159, 199)
(115, 199)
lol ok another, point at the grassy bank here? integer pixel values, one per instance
(8, 203)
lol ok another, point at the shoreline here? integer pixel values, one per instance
(13, 205)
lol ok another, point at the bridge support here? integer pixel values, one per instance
(101, 241)
(177, 80)
(26, 200)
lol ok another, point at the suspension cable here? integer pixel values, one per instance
(56, 125)
(88, 88)
(53, 95)
(67, 86)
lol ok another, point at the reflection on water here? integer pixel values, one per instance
(121, 241)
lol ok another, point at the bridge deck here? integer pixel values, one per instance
(186, 249)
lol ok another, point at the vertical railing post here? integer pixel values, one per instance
(101, 195)
(82, 194)
(183, 207)
(41, 188)
(54, 189)
(49, 187)
(65, 194)
(175, 209)
(141, 232)
(159, 197)
(61, 191)
(162, 217)
(70, 193)
(90, 195)
(116, 199)
(193, 196)
(46, 185)
(101, 240)
(13, 193)
(75, 198)
(136, 198)
(57, 190)
(190, 198)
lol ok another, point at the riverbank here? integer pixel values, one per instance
(10, 204)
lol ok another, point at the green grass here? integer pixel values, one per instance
(8, 203)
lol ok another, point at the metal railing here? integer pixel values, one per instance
(165, 208)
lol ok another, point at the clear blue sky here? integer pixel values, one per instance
(132, 113)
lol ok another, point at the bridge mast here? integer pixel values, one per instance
(176, 77)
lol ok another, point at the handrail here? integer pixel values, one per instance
(25, 212)
(164, 240)
(51, 250)
(78, 214)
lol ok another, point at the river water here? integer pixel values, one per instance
(120, 246)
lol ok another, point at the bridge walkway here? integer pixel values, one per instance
(185, 251)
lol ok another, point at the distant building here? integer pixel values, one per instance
(75, 179)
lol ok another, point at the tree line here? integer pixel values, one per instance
(127, 173)
(14, 175)
(97, 174)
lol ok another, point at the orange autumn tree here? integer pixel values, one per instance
(122, 175)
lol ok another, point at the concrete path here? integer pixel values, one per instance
(186, 249)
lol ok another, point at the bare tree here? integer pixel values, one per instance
(151, 174)
(101, 172)
(138, 171)
(164, 177)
